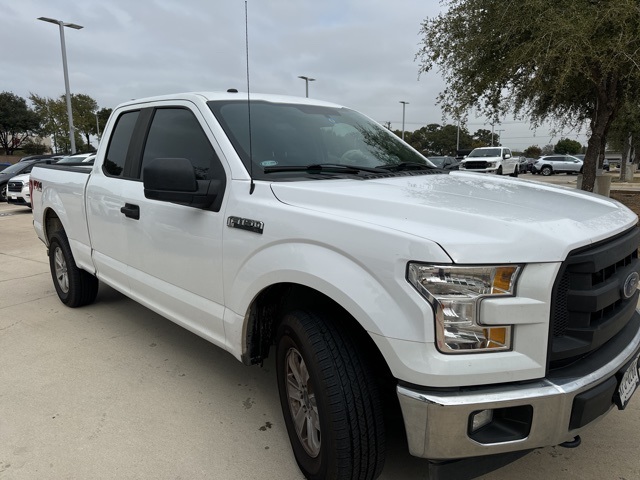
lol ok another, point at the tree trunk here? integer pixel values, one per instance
(603, 115)
(625, 161)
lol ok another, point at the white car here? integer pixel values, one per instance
(550, 164)
(18, 190)
(496, 160)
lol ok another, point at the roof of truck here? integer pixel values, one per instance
(232, 95)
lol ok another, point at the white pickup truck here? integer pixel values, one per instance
(497, 315)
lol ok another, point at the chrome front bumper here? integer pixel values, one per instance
(438, 421)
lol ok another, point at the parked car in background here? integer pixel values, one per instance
(39, 157)
(496, 160)
(4, 165)
(448, 163)
(77, 158)
(18, 190)
(550, 164)
(17, 169)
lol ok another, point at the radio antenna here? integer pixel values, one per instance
(246, 29)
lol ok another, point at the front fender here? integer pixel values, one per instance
(382, 302)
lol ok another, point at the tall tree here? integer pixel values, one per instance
(103, 115)
(435, 139)
(17, 122)
(54, 121)
(482, 138)
(85, 109)
(534, 151)
(572, 61)
(567, 146)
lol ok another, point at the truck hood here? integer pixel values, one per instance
(21, 177)
(475, 218)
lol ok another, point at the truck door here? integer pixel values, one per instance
(175, 251)
(107, 225)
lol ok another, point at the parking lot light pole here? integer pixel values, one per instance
(404, 104)
(306, 81)
(62, 24)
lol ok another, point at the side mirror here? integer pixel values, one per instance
(507, 156)
(174, 180)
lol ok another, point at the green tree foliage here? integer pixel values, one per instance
(571, 61)
(17, 122)
(435, 139)
(103, 116)
(54, 121)
(482, 138)
(567, 146)
(84, 115)
(534, 151)
(33, 147)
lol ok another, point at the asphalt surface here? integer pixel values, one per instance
(113, 390)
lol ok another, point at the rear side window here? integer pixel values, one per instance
(119, 144)
(176, 133)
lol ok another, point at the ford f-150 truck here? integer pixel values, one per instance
(496, 315)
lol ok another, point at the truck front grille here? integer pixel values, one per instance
(14, 186)
(475, 165)
(589, 305)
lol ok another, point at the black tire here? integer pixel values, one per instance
(499, 172)
(546, 171)
(3, 193)
(581, 169)
(75, 287)
(515, 173)
(340, 433)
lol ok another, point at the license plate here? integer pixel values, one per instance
(628, 384)
(13, 197)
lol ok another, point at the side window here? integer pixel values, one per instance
(119, 144)
(176, 133)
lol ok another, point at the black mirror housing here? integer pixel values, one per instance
(174, 180)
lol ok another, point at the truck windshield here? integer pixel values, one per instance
(486, 152)
(293, 135)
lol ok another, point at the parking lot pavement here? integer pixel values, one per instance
(113, 390)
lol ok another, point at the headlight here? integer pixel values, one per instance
(455, 294)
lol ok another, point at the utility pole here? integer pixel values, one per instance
(404, 104)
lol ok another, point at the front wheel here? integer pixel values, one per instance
(74, 286)
(329, 399)
(3, 193)
(499, 171)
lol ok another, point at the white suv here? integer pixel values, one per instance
(18, 190)
(551, 164)
(496, 160)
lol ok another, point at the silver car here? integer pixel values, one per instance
(550, 164)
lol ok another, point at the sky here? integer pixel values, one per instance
(361, 53)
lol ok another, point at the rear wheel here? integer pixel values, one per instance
(330, 400)
(546, 171)
(74, 286)
(3, 193)
(499, 172)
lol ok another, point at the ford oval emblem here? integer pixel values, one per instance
(630, 285)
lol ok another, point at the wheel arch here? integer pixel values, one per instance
(270, 305)
(51, 223)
